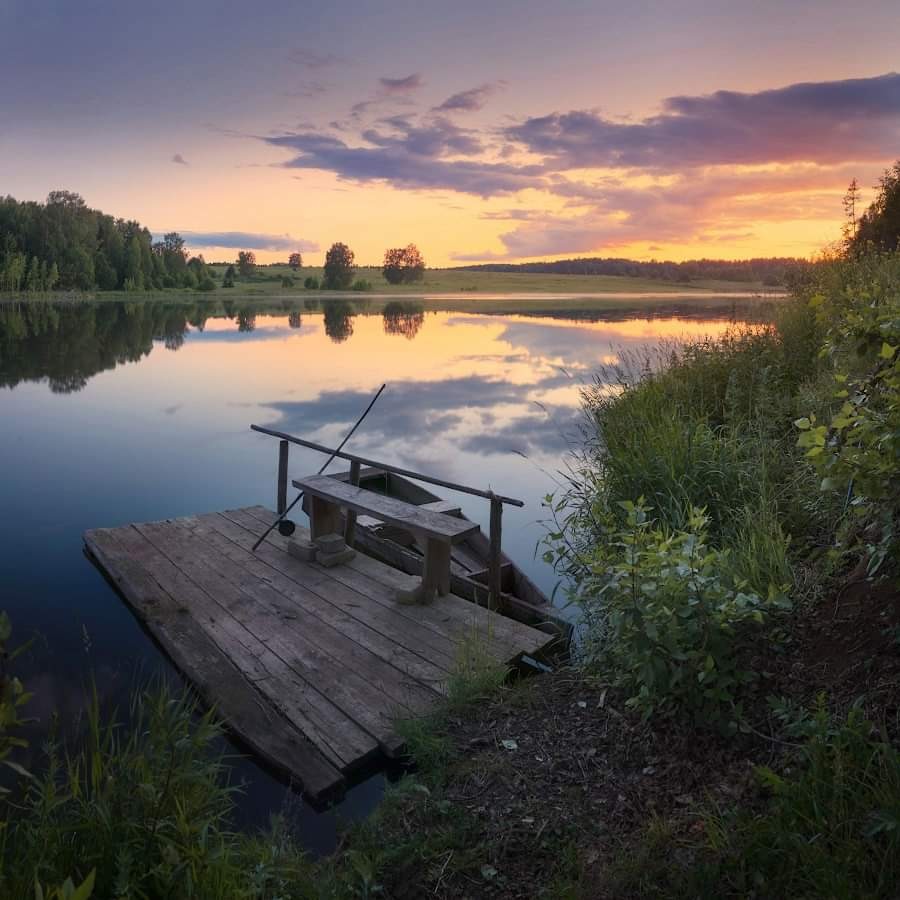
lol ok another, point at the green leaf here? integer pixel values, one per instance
(887, 351)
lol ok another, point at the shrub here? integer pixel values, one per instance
(362, 285)
(669, 621)
(206, 284)
(311, 283)
(287, 281)
(857, 450)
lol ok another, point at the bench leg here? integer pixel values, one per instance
(436, 571)
(324, 518)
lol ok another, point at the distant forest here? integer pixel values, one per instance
(63, 244)
(773, 272)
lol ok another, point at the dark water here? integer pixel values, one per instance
(113, 412)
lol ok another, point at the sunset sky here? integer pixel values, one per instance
(481, 131)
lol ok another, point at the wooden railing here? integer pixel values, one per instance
(496, 500)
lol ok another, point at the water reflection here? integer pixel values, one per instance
(403, 318)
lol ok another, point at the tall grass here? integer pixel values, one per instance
(147, 809)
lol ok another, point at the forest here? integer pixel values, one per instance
(63, 244)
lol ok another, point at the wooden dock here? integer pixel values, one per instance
(310, 666)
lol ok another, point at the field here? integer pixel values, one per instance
(454, 281)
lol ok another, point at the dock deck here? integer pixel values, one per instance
(309, 666)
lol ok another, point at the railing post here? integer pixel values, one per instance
(281, 498)
(350, 521)
(494, 563)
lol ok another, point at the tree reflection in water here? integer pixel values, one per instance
(403, 317)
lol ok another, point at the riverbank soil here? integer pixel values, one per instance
(553, 788)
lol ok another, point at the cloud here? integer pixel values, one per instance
(247, 240)
(411, 161)
(698, 205)
(401, 85)
(308, 58)
(306, 90)
(179, 160)
(470, 100)
(825, 122)
(435, 408)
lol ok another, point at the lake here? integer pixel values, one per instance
(114, 412)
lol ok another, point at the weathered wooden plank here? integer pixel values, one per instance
(307, 618)
(359, 700)
(283, 453)
(388, 509)
(217, 680)
(331, 585)
(336, 736)
(454, 618)
(224, 535)
(494, 561)
(350, 518)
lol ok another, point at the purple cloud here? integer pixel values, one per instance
(403, 167)
(246, 240)
(825, 122)
(468, 101)
(401, 85)
(308, 58)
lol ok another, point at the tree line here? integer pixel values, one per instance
(64, 244)
(770, 271)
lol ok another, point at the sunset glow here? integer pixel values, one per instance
(672, 132)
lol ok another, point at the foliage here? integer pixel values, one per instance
(246, 263)
(311, 283)
(207, 284)
(12, 698)
(857, 449)
(403, 265)
(147, 810)
(295, 260)
(879, 225)
(287, 281)
(62, 243)
(829, 827)
(362, 285)
(668, 621)
(339, 268)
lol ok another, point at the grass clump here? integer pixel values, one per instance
(143, 812)
(826, 826)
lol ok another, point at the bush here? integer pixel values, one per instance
(362, 285)
(206, 284)
(857, 450)
(311, 283)
(669, 620)
(287, 281)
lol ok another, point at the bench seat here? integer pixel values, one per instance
(437, 531)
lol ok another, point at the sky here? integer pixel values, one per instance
(508, 131)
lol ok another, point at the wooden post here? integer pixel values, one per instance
(281, 498)
(350, 522)
(494, 567)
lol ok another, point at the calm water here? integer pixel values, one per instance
(112, 413)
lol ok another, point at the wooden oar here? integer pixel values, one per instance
(340, 447)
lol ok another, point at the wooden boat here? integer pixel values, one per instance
(521, 598)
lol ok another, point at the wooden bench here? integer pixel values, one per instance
(436, 531)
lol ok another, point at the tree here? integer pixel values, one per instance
(403, 265)
(851, 201)
(295, 261)
(339, 268)
(246, 263)
(880, 223)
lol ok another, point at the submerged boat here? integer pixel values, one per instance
(521, 598)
